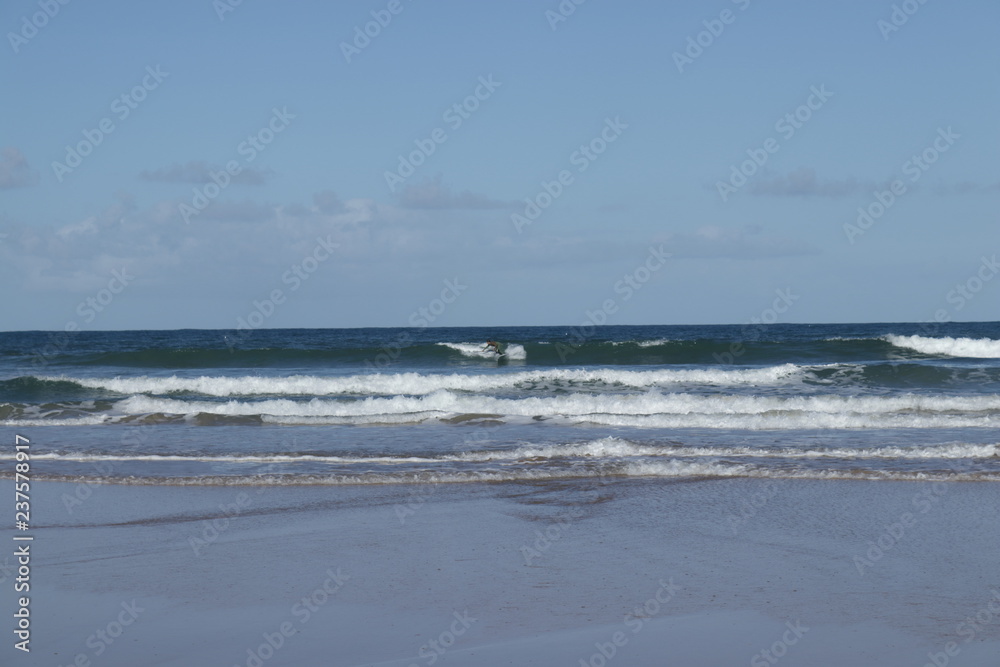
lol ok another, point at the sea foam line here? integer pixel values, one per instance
(414, 384)
(609, 448)
(89, 420)
(669, 470)
(982, 348)
(576, 405)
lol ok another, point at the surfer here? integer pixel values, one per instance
(495, 346)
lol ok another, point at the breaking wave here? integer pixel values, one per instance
(426, 383)
(981, 348)
(513, 350)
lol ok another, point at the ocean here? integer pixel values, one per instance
(428, 406)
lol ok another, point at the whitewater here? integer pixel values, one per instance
(321, 407)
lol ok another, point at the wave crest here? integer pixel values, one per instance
(415, 384)
(475, 350)
(979, 348)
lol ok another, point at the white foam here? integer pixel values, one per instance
(667, 469)
(606, 449)
(643, 343)
(671, 469)
(793, 422)
(612, 447)
(421, 384)
(513, 350)
(647, 409)
(983, 348)
(89, 420)
(226, 458)
(674, 468)
(350, 420)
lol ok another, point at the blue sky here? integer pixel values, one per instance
(118, 115)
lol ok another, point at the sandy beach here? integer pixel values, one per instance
(630, 572)
(472, 334)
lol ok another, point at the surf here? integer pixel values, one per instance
(981, 348)
(648, 409)
(411, 383)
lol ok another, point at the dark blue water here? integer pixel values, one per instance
(904, 401)
(31, 352)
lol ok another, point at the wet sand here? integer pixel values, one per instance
(628, 572)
